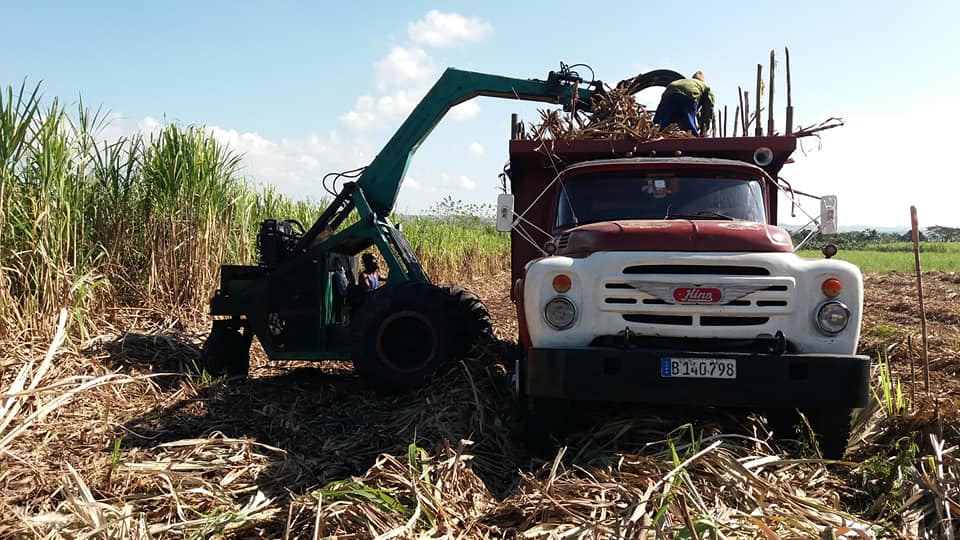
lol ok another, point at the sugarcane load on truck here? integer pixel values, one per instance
(646, 267)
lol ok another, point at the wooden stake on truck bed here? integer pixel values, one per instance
(746, 113)
(726, 118)
(773, 69)
(759, 130)
(789, 97)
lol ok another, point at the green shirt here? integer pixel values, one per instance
(700, 93)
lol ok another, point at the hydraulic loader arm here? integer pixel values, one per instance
(381, 180)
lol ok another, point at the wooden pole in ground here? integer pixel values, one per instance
(913, 371)
(923, 312)
(789, 97)
(759, 129)
(773, 69)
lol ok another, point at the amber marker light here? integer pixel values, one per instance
(562, 283)
(831, 288)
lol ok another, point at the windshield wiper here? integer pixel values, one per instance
(702, 214)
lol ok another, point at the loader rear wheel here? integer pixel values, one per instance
(402, 335)
(227, 350)
(471, 320)
(831, 427)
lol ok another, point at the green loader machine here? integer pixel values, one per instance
(399, 334)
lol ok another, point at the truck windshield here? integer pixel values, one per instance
(619, 196)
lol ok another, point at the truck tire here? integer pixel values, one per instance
(401, 335)
(226, 352)
(831, 426)
(471, 320)
(544, 422)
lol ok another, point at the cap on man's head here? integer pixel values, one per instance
(698, 75)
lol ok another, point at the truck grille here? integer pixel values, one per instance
(644, 294)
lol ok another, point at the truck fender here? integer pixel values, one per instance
(523, 335)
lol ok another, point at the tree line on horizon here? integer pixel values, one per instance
(865, 238)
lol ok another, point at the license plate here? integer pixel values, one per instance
(699, 368)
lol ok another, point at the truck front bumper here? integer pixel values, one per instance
(632, 375)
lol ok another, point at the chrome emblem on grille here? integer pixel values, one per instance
(695, 293)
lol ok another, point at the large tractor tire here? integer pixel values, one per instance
(402, 335)
(831, 427)
(471, 321)
(226, 352)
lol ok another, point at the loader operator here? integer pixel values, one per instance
(369, 276)
(680, 102)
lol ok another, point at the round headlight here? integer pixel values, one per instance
(560, 313)
(832, 317)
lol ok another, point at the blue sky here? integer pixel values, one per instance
(304, 88)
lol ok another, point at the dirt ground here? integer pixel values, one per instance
(299, 447)
(892, 324)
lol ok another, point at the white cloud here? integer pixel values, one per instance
(249, 143)
(296, 166)
(112, 127)
(398, 105)
(403, 65)
(370, 113)
(440, 29)
(465, 110)
(408, 71)
(362, 116)
(466, 183)
(476, 149)
(149, 126)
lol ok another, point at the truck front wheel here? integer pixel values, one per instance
(831, 427)
(544, 421)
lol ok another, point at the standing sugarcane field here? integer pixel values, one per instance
(689, 288)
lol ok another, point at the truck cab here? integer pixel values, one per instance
(664, 279)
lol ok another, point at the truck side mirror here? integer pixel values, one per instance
(505, 212)
(828, 214)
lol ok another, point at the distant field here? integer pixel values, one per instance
(899, 256)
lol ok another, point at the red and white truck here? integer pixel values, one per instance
(656, 273)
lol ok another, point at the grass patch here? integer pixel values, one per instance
(883, 331)
(894, 261)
